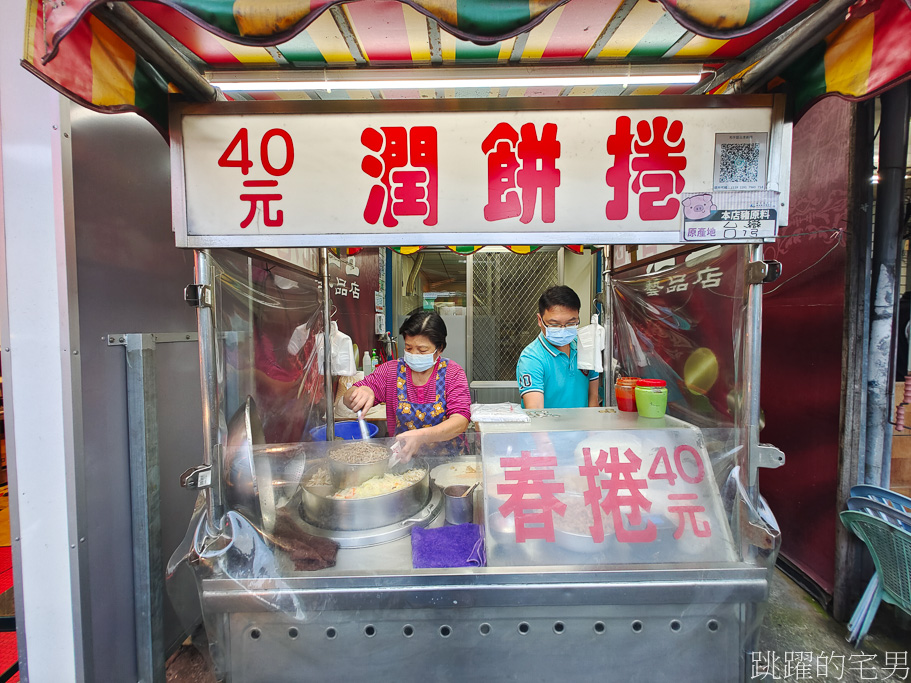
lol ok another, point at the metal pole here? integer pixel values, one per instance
(793, 46)
(132, 27)
(752, 347)
(775, 53)
(893, 151)
(849, 551)
(145, 498)
(610, 398)
(208, 377)
(327, 360)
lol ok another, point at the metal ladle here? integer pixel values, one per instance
(365, 435)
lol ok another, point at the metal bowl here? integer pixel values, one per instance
(360, 514)
(345, 474)
(248, 479)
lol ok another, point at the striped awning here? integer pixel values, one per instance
(71, 49)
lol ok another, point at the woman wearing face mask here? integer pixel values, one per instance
(546, 371)
(426, 396)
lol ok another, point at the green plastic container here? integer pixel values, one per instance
(651, 397)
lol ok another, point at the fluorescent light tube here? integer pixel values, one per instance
(441, 78)
(433, 83)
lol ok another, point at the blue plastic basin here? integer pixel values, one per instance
(344, 430)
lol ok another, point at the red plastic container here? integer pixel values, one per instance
(625, 391)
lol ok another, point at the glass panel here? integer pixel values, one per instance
(595, 486)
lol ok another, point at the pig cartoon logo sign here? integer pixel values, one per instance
(698, 206)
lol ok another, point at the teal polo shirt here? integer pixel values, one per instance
(543, 367)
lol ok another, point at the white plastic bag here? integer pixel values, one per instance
(589, 351)
(298, 339)
(498, 412)
(341, 352)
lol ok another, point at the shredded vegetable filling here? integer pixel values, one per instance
(377, 486)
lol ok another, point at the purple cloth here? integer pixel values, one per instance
(460, 545)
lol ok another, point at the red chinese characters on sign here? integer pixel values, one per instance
(518, 167)
(622, 490)
(683, 506)
(405, 166)
(650, 164)
(237, 155)
(688, 513)
(532, 500)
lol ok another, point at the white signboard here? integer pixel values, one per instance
(248, 175)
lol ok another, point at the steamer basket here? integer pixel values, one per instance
(324, 512)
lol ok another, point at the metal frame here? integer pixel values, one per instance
(562, 618)
(752, 351)
(379, 239)
(469, 323)
(208, 374)
(327, 345)
(491, 587)
(145, 484)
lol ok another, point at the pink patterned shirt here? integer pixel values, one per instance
(383, 383)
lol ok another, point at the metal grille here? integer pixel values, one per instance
(505, 292)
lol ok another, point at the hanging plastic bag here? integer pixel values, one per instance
(590, 350)
(298, 338)
(341, 352)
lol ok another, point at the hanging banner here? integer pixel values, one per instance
(602, 171)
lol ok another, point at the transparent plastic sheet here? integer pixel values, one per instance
(687, 324)
(282, 602)
(684, 324)
(278, 529)
(285, 598)
(268, 321)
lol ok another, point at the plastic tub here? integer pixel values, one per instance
(651, 397)
(625, 391)
(344, 430)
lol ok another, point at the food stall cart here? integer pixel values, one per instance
(595, 536)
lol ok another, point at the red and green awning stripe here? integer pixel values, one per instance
(866, 55)
(97, 69)
(569, 34)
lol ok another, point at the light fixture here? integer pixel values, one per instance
(443, 78)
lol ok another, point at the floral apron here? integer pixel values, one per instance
(419, 415)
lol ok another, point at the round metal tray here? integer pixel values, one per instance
(320, 510)
(383, 534)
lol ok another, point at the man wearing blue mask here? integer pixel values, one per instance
(546, 371)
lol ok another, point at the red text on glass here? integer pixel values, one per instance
(532, 500)
(621, 489)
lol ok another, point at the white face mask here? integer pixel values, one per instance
(419, 362)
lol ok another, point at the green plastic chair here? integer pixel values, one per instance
(890, 546)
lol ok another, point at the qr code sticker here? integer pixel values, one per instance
(739, 163)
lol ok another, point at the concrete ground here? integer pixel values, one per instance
(799, 641)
